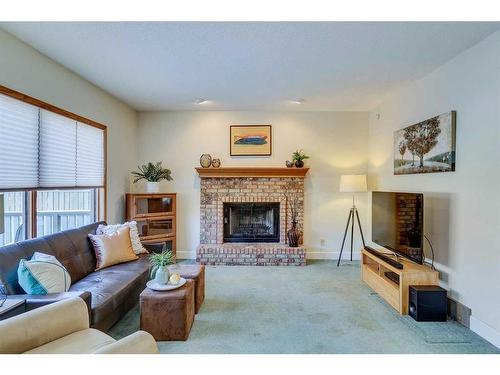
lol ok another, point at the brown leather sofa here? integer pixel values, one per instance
(109, 292)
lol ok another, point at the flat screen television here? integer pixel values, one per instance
(397, 223)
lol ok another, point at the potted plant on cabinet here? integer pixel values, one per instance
(153, 174)
(159, 263)
(298, 158)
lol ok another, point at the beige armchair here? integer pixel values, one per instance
(63, 328)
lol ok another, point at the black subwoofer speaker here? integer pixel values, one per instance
(427, 303)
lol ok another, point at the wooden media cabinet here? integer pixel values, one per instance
(155, 214)
(373, 273)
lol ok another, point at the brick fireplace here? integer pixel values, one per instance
(249, 192)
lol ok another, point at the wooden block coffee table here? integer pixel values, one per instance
(194, 272)
(168, 316)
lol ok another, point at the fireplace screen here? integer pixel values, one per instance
(251, 222)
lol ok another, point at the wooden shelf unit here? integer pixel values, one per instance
(156, 217)
(373, 273)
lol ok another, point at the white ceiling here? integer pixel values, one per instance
(250, 66)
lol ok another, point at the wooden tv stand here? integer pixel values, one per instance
(373, 273)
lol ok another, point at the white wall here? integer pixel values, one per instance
(336, 143)
(24, 69)
(462, 208)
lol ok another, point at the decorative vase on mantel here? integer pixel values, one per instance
(293, 235)
(216, 163)
(162, 275)
(152, 187)
(205, 160)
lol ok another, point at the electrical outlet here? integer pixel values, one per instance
(322, 243)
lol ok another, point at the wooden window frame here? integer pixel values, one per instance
(52, 108)
(32, 213)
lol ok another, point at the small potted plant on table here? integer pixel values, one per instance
(159, 263)
(153, 174)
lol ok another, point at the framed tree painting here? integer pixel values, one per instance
(250, 140)
(426, 147)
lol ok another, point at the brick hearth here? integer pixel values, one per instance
(244, 254)
(217, 190)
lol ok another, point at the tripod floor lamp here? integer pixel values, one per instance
(352, 184)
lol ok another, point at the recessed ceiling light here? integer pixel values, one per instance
(200, 100)
(298, 100)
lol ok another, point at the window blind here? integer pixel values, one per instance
(18, 144)
(57, 150)
(89, 155)
(42, 149)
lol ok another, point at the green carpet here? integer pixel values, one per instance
(314, 309)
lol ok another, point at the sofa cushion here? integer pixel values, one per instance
(43, 274)
(86, 341)
(134, 234)
(111, 286)
(71, 247)
(113, 248)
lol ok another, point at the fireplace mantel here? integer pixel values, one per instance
(251, 172)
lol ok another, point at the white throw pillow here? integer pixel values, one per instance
(43, 274)
(134, 234)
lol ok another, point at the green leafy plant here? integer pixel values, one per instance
(162, 259)
(299, 155)
(152, 173)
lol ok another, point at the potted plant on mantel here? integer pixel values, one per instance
(153, 174)
(298, 158)
(159, 263)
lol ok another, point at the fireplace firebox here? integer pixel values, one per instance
(251, 222)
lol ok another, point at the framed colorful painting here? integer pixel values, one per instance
(250, 140)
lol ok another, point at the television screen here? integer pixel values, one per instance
(397, 223)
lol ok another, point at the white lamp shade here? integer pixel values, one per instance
(1, 214)
(353, 183)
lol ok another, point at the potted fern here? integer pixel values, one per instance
(298, 158)
(159, 263)
(153, 174)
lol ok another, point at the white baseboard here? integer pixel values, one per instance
(485, 331)
(332, 255)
